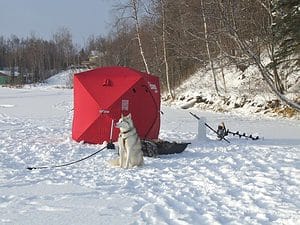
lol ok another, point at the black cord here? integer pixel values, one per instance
(66, 164)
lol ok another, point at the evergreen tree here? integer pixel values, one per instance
(286, 28)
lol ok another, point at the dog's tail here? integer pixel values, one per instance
(114, 162)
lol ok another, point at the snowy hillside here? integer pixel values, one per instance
(211, 182)
(63, 79)
(245, 93)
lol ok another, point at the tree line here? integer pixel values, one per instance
(33, 59)
(174, 38)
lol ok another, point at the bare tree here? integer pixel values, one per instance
(270, 78)
(165, 48)
(65, 47)
(211, 63)
(134, 4)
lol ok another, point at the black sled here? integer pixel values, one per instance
(153, 148)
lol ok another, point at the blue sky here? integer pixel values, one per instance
(44, 17)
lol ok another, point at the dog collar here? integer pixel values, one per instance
(126, 132)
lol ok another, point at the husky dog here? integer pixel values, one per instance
(130, 148)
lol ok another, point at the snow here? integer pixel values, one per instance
(211, 182)
(246, 92)
(64, 79)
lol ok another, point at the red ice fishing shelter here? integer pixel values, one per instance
(103, 94)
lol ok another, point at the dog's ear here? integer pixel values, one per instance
(129, 115)
(122, 116)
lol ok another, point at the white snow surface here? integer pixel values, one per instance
(211, 182)
(246, 92)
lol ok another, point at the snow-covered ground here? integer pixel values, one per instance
(211, 182)
(240, 92)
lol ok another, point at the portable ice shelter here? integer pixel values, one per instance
(103, 94)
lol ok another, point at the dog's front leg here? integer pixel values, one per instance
(121, 152)
(128, 156)
(121, 156)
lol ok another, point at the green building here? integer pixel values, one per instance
(3, 78)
